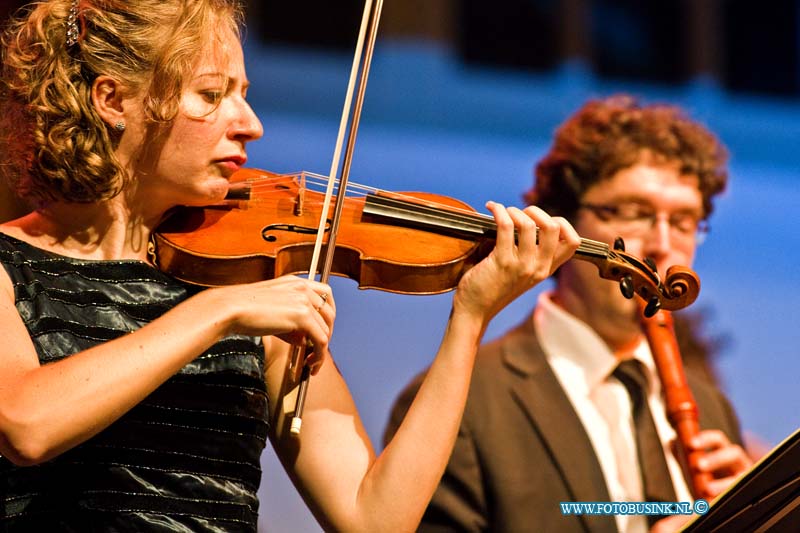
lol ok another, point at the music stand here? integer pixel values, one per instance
(765, 498)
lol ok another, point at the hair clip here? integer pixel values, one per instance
(74, 34)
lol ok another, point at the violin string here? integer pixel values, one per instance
(266, 182)
(258, 184)
(434, 211)
(447, 213)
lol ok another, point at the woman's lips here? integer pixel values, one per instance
(231, 164)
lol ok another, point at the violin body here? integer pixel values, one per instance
(409, 243)
(273, 232)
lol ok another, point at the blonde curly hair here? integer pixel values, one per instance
(55, 145)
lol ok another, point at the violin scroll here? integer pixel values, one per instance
(639, 277)
(681, 286)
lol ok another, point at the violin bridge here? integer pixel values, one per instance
(299, 201)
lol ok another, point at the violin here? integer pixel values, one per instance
(410, 243)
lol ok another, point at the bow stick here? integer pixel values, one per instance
(368, 31)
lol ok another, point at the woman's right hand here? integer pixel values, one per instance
(289, 307)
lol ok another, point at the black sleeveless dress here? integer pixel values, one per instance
(187, 458)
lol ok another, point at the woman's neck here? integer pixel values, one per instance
(104, 230)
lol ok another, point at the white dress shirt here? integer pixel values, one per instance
(583, 364)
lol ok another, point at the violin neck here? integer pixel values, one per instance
(439, 219)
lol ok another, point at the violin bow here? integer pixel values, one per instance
(362, 60)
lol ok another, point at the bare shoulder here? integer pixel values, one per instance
(16, 229)
(6, 287)
(19, 353)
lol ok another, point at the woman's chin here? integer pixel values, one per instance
(218, 189)
(210, 195)
(213, 192)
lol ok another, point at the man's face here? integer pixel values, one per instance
(654, 209)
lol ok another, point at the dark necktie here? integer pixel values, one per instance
(656, 480)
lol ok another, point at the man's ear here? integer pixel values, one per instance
(107, 97)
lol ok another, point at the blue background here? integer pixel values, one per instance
(432, 124)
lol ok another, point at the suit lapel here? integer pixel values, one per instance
(540, 396)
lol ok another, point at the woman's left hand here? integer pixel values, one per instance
(515, 265)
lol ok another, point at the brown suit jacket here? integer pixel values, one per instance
(521, 449)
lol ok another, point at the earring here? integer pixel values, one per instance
(119, 126)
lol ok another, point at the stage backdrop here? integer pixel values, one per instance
(430, 124)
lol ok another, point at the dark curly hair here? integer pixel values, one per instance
(55, 146)
(608, 135)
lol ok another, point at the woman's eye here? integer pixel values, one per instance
(212, 97)
(201, 103)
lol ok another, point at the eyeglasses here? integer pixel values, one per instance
(635, 219)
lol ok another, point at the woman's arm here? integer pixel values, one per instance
(47, 409)
(333, 463)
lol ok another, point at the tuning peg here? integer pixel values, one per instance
(619, 244)
(626, 286)
(652, 306)
(649, 261)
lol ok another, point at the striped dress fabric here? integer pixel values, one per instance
(187, 458)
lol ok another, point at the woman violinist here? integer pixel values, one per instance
(130, 401)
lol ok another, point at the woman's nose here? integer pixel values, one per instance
(247, 124)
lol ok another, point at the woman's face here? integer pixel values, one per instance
(190, 161)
